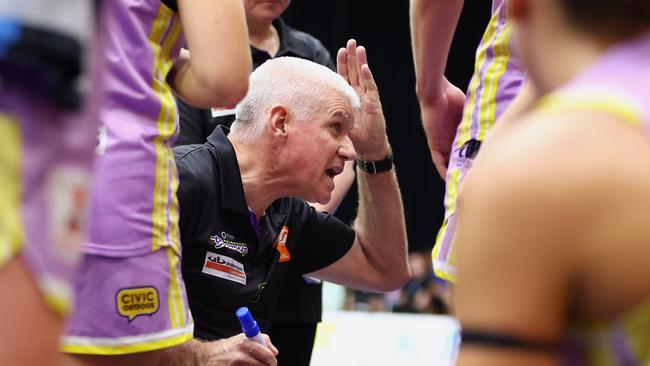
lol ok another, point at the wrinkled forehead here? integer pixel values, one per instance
(339, 107)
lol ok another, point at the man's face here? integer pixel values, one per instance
(320, 148)
(264, 10)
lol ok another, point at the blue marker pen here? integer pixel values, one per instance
(249, 325)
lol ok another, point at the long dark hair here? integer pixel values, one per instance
(617, 19)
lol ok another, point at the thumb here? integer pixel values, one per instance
(441, 163)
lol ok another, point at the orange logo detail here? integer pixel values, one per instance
(281, 245)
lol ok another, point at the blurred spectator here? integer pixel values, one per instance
(425, 293)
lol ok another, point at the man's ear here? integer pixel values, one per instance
(277, 120)
(518, 9)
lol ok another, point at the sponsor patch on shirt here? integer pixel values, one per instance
(224, 267)
(136, 301)
(241, 248)
(281, 245)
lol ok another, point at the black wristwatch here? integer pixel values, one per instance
(376, 166)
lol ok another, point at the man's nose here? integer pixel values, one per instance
(347, 149)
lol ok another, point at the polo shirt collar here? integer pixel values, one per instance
(289, 44)
(232, 190)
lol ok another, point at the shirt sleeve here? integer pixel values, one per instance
(190, 194)
(192, 125)
(322, 55)
(324, 240)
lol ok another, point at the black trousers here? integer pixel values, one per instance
(294, 342)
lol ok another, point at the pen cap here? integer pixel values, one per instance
(248, 324)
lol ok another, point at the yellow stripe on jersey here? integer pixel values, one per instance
(169, 129)
(175, 301)
(165, 212)
(492, 78)
(464, 129)
(155, 39)
(11, 226)
(450, 208)
(127, 345)
(581, 99)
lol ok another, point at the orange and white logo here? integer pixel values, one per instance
(281, 245)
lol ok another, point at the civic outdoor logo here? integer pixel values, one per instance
(136, 301)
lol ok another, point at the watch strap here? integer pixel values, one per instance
(376, 166)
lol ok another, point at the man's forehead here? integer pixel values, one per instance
(343, 116)
(339, 107)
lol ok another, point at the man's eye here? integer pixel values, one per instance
(337, 128)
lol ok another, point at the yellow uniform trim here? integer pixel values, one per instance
(175, 301)
(157, 31)
(609, 102)
(494, 74)
(165, 212)
(442, 269)
(120, 349)
(11, 223)
(465, 125)
(174, 230)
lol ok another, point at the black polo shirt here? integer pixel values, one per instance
(230, 259)
(197, 124)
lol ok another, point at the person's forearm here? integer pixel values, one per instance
(191, 353)
(380, 226)
(207, 91)
(216, 74)
(433, 23)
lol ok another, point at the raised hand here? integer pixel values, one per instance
(369, 134)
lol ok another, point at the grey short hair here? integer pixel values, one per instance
(300, 85)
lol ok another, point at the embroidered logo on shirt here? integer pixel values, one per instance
(281, 245)
(224, 267)
(136, 301)
(226, 241)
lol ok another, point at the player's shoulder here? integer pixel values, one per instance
(573, 155)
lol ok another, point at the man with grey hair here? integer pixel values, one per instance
(244, 219)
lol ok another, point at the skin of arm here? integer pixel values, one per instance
(215, 31)
(236, 350)
(512, 274)
(378, 258)
(535, 209)
(433, 23)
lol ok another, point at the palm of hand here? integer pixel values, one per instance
(369, 133)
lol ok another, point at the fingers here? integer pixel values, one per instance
(353, 74)
(368, 80)
(352, 64)
(267, 339)
(441, 164)
(262, 353)
(342, 63)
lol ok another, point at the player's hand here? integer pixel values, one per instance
(440, 119)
